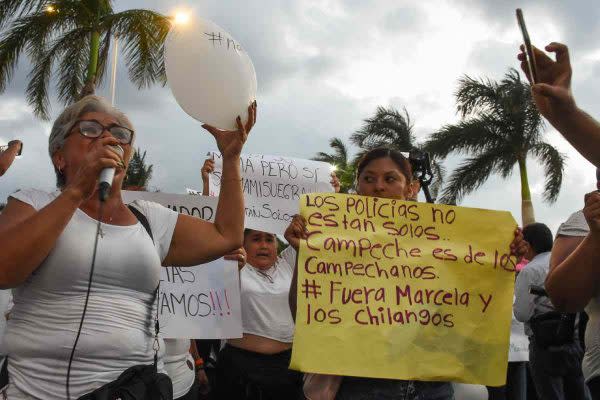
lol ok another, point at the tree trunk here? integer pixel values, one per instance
(527, 214)
(90, 79)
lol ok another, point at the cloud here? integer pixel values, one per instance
(574, 23)
(324, 66)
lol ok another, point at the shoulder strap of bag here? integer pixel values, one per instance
(144, 221)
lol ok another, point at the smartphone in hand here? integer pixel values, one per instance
(528, 47)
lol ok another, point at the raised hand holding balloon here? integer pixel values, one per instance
(210, 74)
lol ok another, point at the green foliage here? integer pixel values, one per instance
(500, 126)
(345, 170)
(392, 129)
(59, 46)
(138, 173)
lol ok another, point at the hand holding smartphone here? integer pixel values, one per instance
(528, 48)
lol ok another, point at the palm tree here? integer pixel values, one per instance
(393, 129)
(138, 173)
(71, 39)
(500, 128)
(345, 170)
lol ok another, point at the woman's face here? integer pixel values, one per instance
(383, 178)
(261, 249)
(70, 157)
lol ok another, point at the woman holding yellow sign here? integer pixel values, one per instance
(383, 173)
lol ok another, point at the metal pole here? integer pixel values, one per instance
(113, 82)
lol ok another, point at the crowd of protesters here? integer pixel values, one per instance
(49, 269)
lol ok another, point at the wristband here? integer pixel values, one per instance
(199, 364)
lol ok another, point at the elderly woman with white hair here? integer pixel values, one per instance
(48, 246)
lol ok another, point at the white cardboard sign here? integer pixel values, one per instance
(200, 302)
(272, 187)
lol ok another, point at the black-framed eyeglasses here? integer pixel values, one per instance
(93, 129)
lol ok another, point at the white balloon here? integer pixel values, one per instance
(210, 74)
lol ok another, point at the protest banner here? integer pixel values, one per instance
(204, 207)
(272, 187)
(404, 290)
(200, 302)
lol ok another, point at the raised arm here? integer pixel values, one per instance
(555, 101)
(295, 232)
(8, 156)
(207, 169)
(572, 282)
(195, 241)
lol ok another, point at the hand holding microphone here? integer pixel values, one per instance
(102, 155)
(108, 174)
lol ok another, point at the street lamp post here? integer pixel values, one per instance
(113, 81)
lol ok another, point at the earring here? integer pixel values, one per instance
(60, 170)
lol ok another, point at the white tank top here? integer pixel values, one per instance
(47, 308)
(265, 306)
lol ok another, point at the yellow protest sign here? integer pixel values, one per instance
(404, 290)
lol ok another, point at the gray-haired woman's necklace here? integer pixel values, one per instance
(101, 232)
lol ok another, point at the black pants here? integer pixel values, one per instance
(246, 375)
(594, 386)
(556, 371)
(516, 384)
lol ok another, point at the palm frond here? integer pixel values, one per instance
(12, 43)
(554, 165)
(142, 33)
(72, 69)
(469, 176)
(388, 126)
(28, 33)
(341, 151)
(39, 77)
(507, 160)
(474, 96)
(476, 135)
(14, 9)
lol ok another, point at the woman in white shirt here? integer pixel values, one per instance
(48, 246)
(256, 365)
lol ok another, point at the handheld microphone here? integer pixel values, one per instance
(107, 175)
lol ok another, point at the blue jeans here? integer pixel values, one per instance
(353, 388)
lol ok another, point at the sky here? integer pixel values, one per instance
(323, 66)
